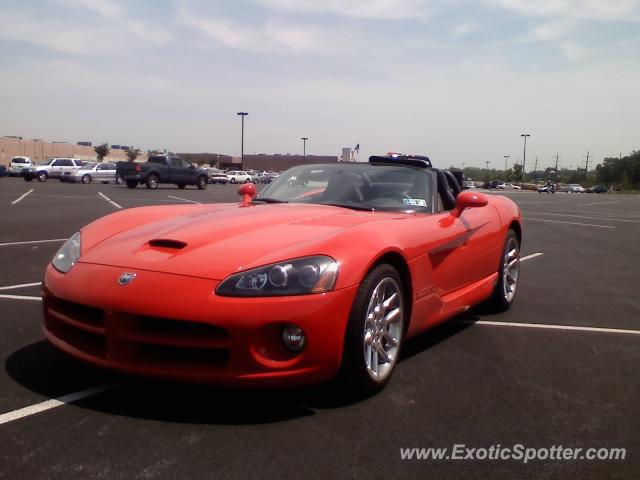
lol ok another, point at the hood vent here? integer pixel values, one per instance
(167, 243)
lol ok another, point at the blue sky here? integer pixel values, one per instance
(456, 80)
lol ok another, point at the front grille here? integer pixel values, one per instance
(149, 342)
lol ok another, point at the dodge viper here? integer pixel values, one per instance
(324, 274)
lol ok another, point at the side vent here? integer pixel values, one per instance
(167, 243)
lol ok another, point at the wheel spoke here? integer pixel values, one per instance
(387, 303)
(383, 355)
(391, 340)
(392, 316)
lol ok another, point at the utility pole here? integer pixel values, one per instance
(535, 169)
(487, 162)
(524, 156)
(304, 146)
(242, 115)
(557, 157)
(506, 157)
(586, 165)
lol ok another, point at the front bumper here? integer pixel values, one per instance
(175, 327)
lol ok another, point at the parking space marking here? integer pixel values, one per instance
(21, 297)
(109, 200)
(551, 327)
(21, 197)
(183, 199)
(596, 203)
(587, 217)
(529, 257)
(33, 241)
(53, 403)
(569, 223)
(22, 285)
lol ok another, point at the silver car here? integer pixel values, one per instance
(100, 172)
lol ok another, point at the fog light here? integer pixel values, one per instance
(293, 338)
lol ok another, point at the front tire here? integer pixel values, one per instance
(132, 183)
(86, 179)
(201, 183)
(508, 274)
(375, 331)
(42, 176)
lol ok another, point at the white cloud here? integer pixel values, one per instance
(272, 37)
(609, 10)
(376, 9)
(465, 28)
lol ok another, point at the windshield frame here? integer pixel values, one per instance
(266, 195)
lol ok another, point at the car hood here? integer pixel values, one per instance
(218, 242)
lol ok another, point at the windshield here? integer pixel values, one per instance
(357, 186)
(88, 165)
(46, 162)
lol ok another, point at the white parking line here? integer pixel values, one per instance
(596, 203)
(569, 223)
(551, 327)
(183, 199)
(529, 257)
(21, 297)
(33, 241)
(22, 285)
(109, 200)
(587, 217)
(53, 403)
(21, 197)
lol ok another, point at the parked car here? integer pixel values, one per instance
(326, 277)
(18, 164)
(551, 188)
(100, 172)
(598, 189)
(576, 188)
(162, 169)
(238, 176)
(217, 176)
(469, 184)
(511, 186)
(51, 168)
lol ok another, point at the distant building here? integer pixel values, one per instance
(282, 162)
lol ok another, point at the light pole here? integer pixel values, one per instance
(304, 146)
(242, 115)
(506, 157)
(524, 155)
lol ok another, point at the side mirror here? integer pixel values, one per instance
(468, 199)
(248, 192)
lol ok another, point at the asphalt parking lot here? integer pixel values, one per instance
(560, 368)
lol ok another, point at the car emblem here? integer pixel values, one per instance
(126, 278)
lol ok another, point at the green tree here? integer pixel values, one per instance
(102, 151)
(132, 153)
(517, 173)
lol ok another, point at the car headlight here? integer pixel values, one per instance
(68, 254)
(300, 276)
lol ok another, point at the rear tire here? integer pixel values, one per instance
(508, 274)
(28, 179)
(132, 183)
(375, 330)
(42, 176)
(153, 181)
(119, 180)
(181, 186)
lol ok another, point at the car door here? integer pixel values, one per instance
(107, 172)
(56, 168)
(176, 171)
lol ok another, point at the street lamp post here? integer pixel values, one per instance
(304, 146)
(506, 157)
(524, 156)
(242, 115)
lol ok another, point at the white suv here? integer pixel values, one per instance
(18, 164)
(238, 176)
(51, 168)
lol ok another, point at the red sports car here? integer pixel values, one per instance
(325, 273)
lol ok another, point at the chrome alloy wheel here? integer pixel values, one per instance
(510, 269)
(383, 329)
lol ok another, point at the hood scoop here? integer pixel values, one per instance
(167, 243)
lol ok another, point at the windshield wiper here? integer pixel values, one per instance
(352, 207)
(269, 200)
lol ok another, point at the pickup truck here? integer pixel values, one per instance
(162, 169)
